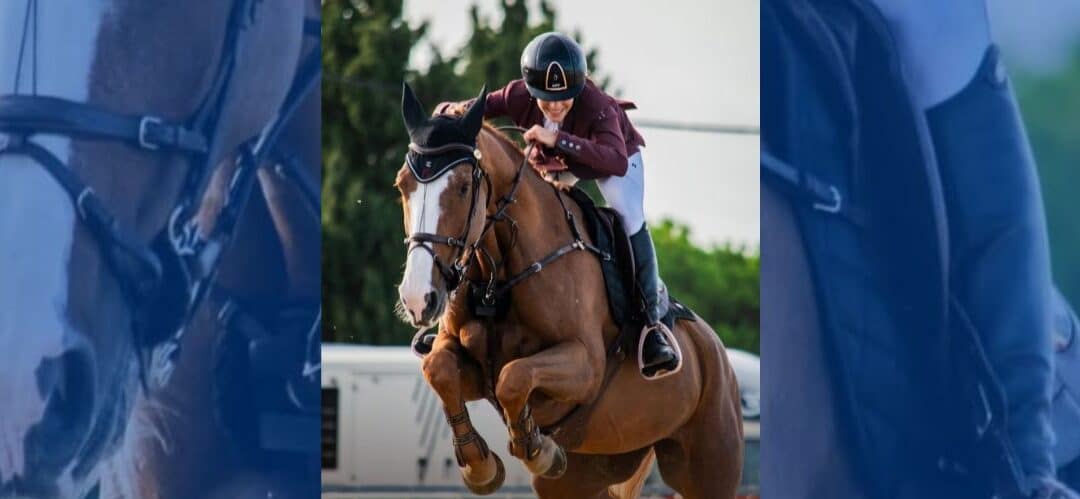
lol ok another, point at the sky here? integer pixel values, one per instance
(1036, 36)
(678, 61)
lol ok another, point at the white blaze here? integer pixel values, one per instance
(424, 214)
(36, 216)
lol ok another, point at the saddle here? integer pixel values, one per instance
(624, 298)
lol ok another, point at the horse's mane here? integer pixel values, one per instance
(505, 141)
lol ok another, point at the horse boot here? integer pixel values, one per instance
(422, 342)
(658, 352)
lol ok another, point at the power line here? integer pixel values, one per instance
(698, 127)
(726, 129)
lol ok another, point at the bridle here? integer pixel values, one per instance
(166, 280)
(452, 274)
(465, 252)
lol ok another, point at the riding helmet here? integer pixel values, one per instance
(553, 66)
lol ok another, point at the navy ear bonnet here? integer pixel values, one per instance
(426, 160)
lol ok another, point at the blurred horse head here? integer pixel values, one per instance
(114, 114)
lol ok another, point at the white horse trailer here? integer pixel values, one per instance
(384, 433)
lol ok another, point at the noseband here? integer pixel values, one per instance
(164, 281)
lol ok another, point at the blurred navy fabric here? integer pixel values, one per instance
(920, 220)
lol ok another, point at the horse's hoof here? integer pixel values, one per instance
(492, 485)
(558, 465)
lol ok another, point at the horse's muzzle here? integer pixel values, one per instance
(66, 383)
(427, 313)
(433, 306)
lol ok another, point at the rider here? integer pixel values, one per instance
(587, 132)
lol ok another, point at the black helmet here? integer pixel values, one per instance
(553, 66)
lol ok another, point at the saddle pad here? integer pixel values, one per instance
(677, 311)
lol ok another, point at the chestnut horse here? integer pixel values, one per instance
(475, 213)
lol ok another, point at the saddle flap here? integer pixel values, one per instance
(620, 249)
(605, 229)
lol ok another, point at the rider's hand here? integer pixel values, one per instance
(541, 135)
(544, 163)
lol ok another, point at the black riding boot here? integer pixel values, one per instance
(656, 354)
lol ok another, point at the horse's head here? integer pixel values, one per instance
(92, 172)
(444, 194)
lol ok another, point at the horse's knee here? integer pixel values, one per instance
(513, 385)
(440, 368)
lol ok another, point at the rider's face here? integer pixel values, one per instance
(555, 110)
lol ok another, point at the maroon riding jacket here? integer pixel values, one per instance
(596, 136)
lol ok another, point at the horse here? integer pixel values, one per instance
(274, 264)
(474, 212)
(105, 152)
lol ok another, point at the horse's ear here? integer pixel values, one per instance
(411, 108)
(474, 118)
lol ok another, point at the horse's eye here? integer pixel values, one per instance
(464, 189)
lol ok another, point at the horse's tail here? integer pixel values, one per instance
(631, 488)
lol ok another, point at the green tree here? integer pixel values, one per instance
(366, 45)
(720, 283)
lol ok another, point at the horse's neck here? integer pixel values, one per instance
(540, 223)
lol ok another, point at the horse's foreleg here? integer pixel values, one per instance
(564, 373)
(452, 376)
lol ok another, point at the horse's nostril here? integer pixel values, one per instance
(67, 376)
(71, 392)
(431, 303)
(66, 383)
